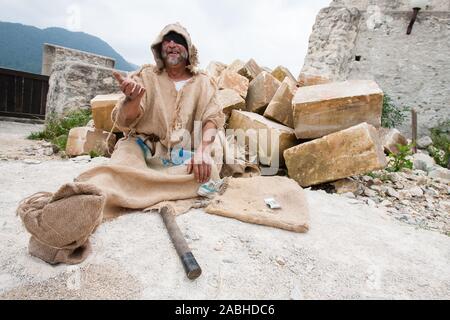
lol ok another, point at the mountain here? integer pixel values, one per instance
(21, 46)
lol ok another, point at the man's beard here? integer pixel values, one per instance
(171, 61)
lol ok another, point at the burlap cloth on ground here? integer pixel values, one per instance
(244, 201)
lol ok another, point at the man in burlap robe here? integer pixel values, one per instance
(164, 107)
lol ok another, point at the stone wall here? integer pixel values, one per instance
(53, 54)
(367, 39)
(73, 85)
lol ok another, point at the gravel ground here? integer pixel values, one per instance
(353, 251)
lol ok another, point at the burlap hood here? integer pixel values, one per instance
(193, 54)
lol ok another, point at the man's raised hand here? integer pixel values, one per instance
(129, 87)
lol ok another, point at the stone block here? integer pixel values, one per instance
(270, 138)
(340, 155)
(215, 69)
(280, 108)
(324, 109)
(261, 91)
(230, 100)
(280, 73)
(83, 140)
(236, 65)
(233, 80)
(250, 70)
(102, 107)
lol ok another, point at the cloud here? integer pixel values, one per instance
(272, 32)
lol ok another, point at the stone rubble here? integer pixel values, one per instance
(409, 196)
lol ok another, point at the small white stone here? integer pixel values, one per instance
(81, 159)
(297, 294)
(48, 152)
(424, 142)
(416, 192)
(31, 161)
(370, 193)
(392, 193)
(350, 195)
(281, 261)
(431, 192)
(440, 173)
(386, 203)
(423, 162)
(371, 203)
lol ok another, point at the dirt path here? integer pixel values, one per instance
(353, 251)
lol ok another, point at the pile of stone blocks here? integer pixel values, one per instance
(322, 131)
(98, 137)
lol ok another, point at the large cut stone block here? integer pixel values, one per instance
(102, 107)
(328, 108)
(230, 100)
(250, 70)
(280, 108)
(233, 80)
(270, 138)
(261, 91)
(236, 66)
(215, 69)
(83, 140)
(353, 151)
(280, 73)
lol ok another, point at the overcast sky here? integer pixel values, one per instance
(273, 32)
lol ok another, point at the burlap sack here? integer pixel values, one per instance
(61, 223)
(244, 200)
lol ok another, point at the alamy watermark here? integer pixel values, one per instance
(73, 19)
(254, 146)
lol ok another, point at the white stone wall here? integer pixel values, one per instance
(413, 69)
(74, 84)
